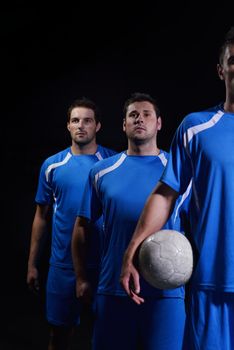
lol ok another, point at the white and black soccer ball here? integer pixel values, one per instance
(166, 259)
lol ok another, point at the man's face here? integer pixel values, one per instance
(226, 70)
(82, 125)
(141, 123)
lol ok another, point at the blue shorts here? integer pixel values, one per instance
(63, 308)
(210, 322)
(122, 324)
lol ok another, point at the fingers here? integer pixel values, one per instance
(131, 284)
(129, 280)
(33, 279)
(34, 286)
(124, 280)
(136, 298)
(135, 281)
(84, 292)
(131, 290)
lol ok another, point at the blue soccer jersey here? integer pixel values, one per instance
(61, 184)
(202, 150)
(118, 187)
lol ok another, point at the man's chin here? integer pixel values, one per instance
(82, 142)
(140, 140)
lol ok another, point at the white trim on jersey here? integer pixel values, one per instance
(163, 159)
(55, 165)
(98, 155)
(184, 196)
(188, 135)
(110, 168)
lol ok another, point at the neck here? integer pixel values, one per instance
(147, 149)
(90, 148)
(229, 102)
(228, 107)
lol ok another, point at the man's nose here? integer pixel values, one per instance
(80, 124)
(139, 118)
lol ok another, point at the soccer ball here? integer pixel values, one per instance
(166, 259)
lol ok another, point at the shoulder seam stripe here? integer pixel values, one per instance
(98, 155)
(110, 168)
(184, 196)
(55, 165)
(188, 135)
(163, 158)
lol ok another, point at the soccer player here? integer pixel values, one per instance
(202, 150)
(118, 188)
(61, 185)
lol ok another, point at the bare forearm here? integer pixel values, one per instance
(39, 229)
(79, 247)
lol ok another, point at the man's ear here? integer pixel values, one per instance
(68, 127)
(220, 71)
(124, 124)
(159, 122)
(98, 126)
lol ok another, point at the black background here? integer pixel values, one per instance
(50, 56)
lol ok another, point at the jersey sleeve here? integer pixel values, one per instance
(91, 207)
(178, 171)
(179, 219)
(44, 193)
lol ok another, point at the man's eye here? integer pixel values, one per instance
(231, 60)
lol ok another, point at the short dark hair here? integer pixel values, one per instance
(87, 103)
(140, 97)
(228, 40)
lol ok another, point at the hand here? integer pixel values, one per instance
(84, 291)
(33, 280)
(129, 280)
